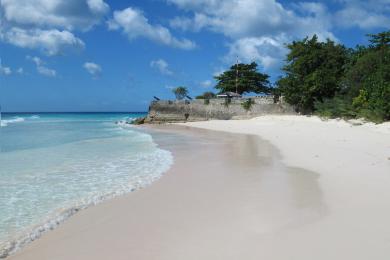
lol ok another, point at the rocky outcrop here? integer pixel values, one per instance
(163, 111)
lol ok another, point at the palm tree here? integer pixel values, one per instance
(180, 92)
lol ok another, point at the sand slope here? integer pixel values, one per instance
(354, 167)
(323, 194)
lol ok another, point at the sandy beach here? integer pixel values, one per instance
(285, 187)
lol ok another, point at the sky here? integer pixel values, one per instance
(106, 55)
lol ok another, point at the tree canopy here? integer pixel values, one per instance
(245, 77)
(368, 79)
(330, 80)
(206, 95)
(180, 92)
(313, 72)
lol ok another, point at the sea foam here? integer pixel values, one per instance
(55, 181)
(5, 122)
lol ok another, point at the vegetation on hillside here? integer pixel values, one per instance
(330, 80)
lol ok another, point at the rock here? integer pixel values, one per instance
(139, 121)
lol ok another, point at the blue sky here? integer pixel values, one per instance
(95, 55)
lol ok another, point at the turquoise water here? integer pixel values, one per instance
(52, 165)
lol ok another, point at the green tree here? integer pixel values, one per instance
(180, 92)
(243, 78)
(313, 72)
(206, 95)
(367, 80)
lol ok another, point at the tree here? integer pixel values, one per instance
(206, 95)
(367, 79)
(380, 40)
(243, 76)
(180, 92)
(313, 72)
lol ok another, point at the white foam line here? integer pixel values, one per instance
(14, 245)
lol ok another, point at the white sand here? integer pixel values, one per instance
(354, 167)
(229, 196)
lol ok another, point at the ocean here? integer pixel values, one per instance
(54, 164)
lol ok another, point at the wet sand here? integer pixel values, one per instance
(225, 195)
(230, 196)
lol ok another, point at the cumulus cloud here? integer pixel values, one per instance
(52, 42)
(48, 25)
(134, 24)
(69, 15)
(4, 70)
(92, 68)
(36, 60)
(41, 68)
(269, 52)
(46, 71)
(98, 7)
(367, 14)
(252, 18)
(206, 83)
(162, 66)
(257, 30)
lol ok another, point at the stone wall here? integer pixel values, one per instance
(219, 108)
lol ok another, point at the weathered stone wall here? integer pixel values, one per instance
(200, 110)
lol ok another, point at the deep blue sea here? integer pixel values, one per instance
(53, 164)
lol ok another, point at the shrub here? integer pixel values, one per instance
(180, 92)
(247, 104)
(335, 107)
(227, 101)
(206, 95)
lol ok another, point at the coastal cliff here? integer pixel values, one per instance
(165, 111)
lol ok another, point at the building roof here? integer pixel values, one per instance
(229, 94)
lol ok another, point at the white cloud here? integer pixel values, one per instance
(48, 25)
(46, 71)
(195, 24)
(257, 30)
(244, 17)
(134, 24)
(253, 18)
(366, 14)
(206, 83)
(35, 59)
(20, 70)
(4, 70)
(218, 71)
(41, 68)
(69, 14)
(52, 42)
(361, 18)
(94, 69)
(269, 52)
(162, 66)
(195, 5)
(98, 7)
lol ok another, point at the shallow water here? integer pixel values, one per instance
(51, 165)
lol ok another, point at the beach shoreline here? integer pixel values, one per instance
(272, 183)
